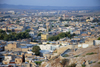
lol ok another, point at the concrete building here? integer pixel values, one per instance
(45, 36)
(12, 46)
(7, 59)
(18, 60)
(96, 42)
(48, 47)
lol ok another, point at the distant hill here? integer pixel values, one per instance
(48, 7)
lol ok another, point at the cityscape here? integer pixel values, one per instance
(49, 36)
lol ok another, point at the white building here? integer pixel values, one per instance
(31, 33)
(48, 47)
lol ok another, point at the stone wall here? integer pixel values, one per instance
(63, 48)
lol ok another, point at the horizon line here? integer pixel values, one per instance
(48, 5)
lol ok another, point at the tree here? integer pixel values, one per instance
(9, 31)
(61, 35)
(48, 43)
(61, 19)
(36, 49)
(52, 25)
(95, 20)
(1, 31)
(88, 18)
(1, 36)
(98, 23)
(38, 62)
(99, 38)
(73, 34)
(27, 30)
(66, 25)
(92, 27)
(49, 29)
(39, 34)
(13, 36)
(27, 35)
(6, 38)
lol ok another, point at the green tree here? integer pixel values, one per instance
(36, 50)
(6, 38)
(98, 23)
(92, 26)
(61, 19)
(48, 43)
(95, 20)
(66, 25)
(1, 36)
(73, 34)
(3, 32)
(52, 25)
(88, 18)
(61, 35)
(49, 29)
(83, 65)
(39, 34)
(13, 36)
(27, 35)
(9, 31)
(38, 62)
(27, 30)
(99, 38)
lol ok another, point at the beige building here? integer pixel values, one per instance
(88, 20)
(12, 46)
(18, 60)
(29, 55)
(45, 36)
(7, 59)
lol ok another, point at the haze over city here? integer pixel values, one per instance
(49, 33)
(52, 2)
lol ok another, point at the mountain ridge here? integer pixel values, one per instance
(50, 7)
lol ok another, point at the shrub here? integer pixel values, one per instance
(60, 44)
(83, 65)
(91, 53)
(66, 55)
(83, 55)
(98, 62)
(99, 38)
(76, 56)
(48, 43)
(38, 62)
(94, 61)
(66, 25)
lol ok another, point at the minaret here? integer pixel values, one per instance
(6, 29)
(47, 26)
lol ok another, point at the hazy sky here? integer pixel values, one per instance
(53, 2)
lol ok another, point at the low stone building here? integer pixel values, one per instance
(12, 45)
(19, 60)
